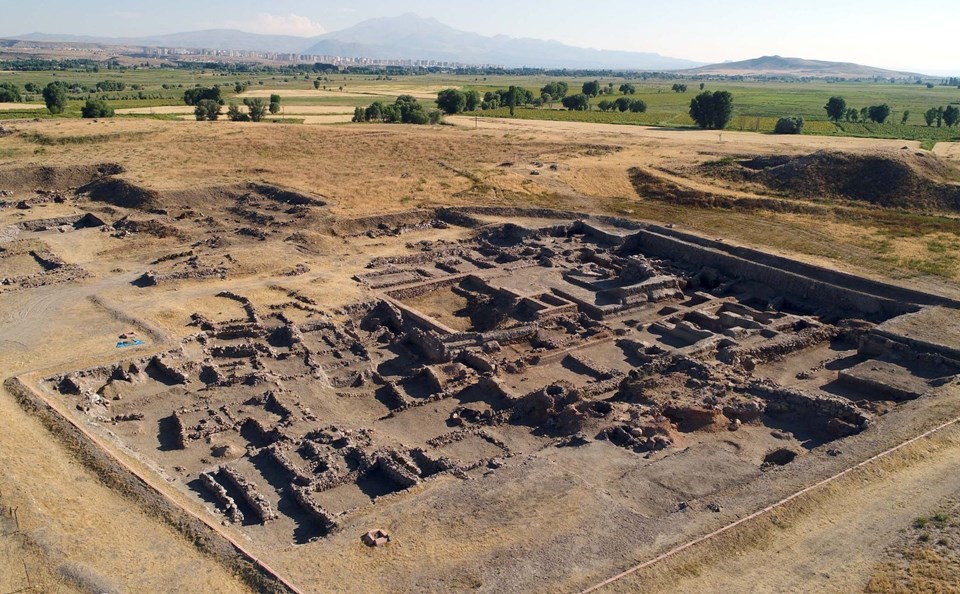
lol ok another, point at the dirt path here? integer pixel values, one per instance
(831, 542)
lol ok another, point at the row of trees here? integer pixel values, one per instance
(11, 93)
(453, 101)
(837, 110)
(405, 110)
(623, 104)
(949, 115)
(257, 109)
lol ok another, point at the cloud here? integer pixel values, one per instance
(279, 24)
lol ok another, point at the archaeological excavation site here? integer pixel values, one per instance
(452, 398)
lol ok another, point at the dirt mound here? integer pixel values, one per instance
(892, 179)
(119, 192)
(653, 187)
(54, 178)
(286, 196)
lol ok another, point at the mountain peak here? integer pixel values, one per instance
(411, 36)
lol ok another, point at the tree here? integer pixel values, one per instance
(358, 114)
(906, 116)
(30, 87)
(473, 100)
(274, 104)
(207, 109)
(256, 108)
(679, 88)
(391, 114)
(712, 110)
(591, 89)
(836, 108)
(930, 116)
(435, 117)
(10, 93)
(578, 102)
(235, 115)
(638, 106)
(702, 85)
(95, 108)
(623, 103)
(512, 97)
(316, 84)
(627, 89)
(852, 115)
(879, 113)
(557, 90)
(111, 86)
(55, 96)
(374, 112)
(951, 115)
(605, 105)
(864, 114)
(789, 125)
(411, 112)
(196, 95)
(940, 111)
(451, 101)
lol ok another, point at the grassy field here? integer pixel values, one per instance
(758, 105)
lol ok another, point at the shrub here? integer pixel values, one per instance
(789, 125)
(578, 102)
(207, 109)
(235, 115)
(10, 93)
(96, 108)
(257, 108)
(451, 101)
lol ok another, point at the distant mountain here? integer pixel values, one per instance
(400, 38)
(798, 67)
(412, 37)
(215, 39)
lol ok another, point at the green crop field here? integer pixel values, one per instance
(757, 105)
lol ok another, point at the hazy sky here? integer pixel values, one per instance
(919, 35)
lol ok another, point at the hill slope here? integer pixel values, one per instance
(407, 37)
(798, 67)
(410, 36)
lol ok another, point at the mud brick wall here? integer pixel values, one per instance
(783, 345)
(283, 461)
(423, 288)
(418, 258)
(780, 399)
(849, 282)
(181, 431)
(250, 494)
(877, 343)
(397, 473)
(476, 361)
(219, 493)
(808, 292)
(302, 496)
(430, 343)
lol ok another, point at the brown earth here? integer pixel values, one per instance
(77, 526)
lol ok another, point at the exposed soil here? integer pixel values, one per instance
(902, 179)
